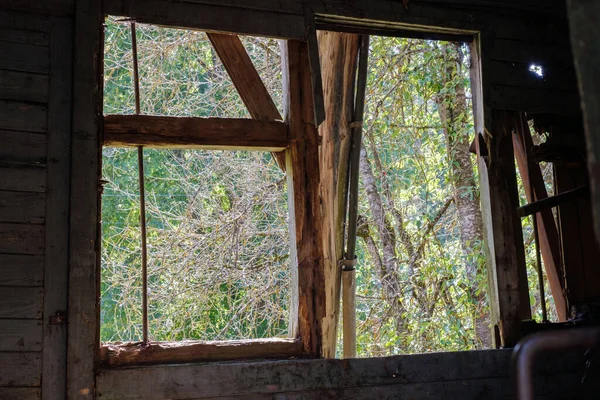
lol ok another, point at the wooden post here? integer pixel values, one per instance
(302, 165)
(339, 58)
(508, 274)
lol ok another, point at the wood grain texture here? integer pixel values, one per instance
(57, 208)
(113, 355)
(21, 270)
(20, 393)
(21, 238)
(302, 164)
(83, 287)
(534, 100)
(190, 132)
(22, 177)
(22, 116)
(20, 335)
(23, 86)
(22, 207)
(13, 19)
(21, 302)
(23, 36)
(23, 57)
(47, 7)
(20, 369)
(211, 17)
(23, 147)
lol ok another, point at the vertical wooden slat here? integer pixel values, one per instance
(302, 162)
(57, 209)
(83, 317)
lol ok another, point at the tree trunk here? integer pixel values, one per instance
(453, 115)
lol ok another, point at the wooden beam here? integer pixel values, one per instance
(339, 72)
(187, 351)
(246, 80)
(302, 164)
(503, 227)
(187, 132)
(315, 66)
(84, 225)
(548, 234)
(548, 203)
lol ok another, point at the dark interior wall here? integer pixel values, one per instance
(35, 118)
(36, 75)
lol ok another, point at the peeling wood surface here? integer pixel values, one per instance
(20, 335)
(20, 369)
(190, 132)
(187, 351)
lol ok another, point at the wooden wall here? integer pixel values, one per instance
(35, 115)
(36, 74)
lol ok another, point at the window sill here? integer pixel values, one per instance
(188, 351)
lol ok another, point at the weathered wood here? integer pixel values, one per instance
(24, 21)
(21, 270)
(23, 57)
(51, 7)
(20, 335)
(518, 75)
(586, 51)
(20, 393)
(22, 177)
(57, 208)
(548, 234)
(188, 351)
(509, 274)
(22, 147)
(527, 52)
(339, 54)
(83, 308)
(190, 132)
(246, 80)
(210, 17)
(21, 302)
(22, 207)
(548, 203)
(20, 369)
(302, 162)
(315, 66)
(24, 36)
(21, 116)
(21, 238)
(23, 86)
(198, 381)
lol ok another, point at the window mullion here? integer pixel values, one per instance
(140, 149)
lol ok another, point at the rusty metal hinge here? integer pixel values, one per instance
(59, 318)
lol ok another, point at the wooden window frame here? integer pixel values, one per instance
(294, 144)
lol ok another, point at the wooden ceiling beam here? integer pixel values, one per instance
(194, 132)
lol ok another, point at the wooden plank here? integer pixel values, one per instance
(22, 177)
(191, 132)
(509, 276)
(21, 302)
(315, 67)
(21, 270)
(22, 147)
(23, 86)
(584, 38)
(302, 164)
(20, 369)
(526, 52)
(24, 21)
(84, 247)
(57, 208)
(548, 234)
(210, 17)
(22, 207)
(188, 351)
(518, 74)
(21, 116)
(534, 100)
(284, 6)
(24, 36)
(20, 335)
(48, 7)
(21, 239)
(20, 393)
(23, 57)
